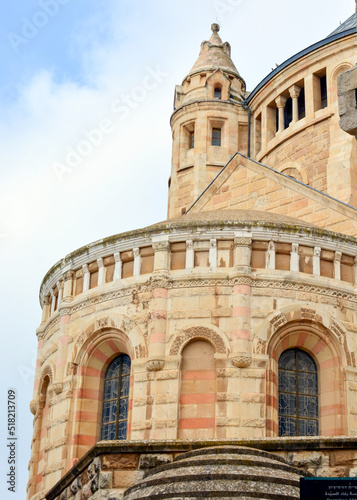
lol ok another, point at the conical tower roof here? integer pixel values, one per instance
(214, 55)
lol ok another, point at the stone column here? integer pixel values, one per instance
(45, 309)
(53, 303)
(280, 104)
(68, 287)
(355, 270)
(190, 255)
(60, 292)
(158, 306)
(337, 266)
(242, 252)
(86, 278)
(118, 267)
(213, 253)
(316, 261)
(161, 256)
(137, 262)
(294, 258)
(294, 94)
(270, 256)
(102, 271)
(240, 338)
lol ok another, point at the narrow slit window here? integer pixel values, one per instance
(323, 86)
(216, 137)
(116, 399)
(301, 104)
(288, 112)
(192, 140)
(217, 93)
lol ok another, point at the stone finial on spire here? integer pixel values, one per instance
(215, 38)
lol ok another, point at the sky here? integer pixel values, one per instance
(86, 94)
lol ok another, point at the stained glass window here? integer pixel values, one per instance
(298, 394)
(116, 399)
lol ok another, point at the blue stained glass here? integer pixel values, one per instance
(306, 363)
(111, 389)
(288, 360)
(308, 427)
(298, 394)
(287, 381)
(287, 404)
(308, 406)
(287, 426)
(125, 386)
(122, 429)
(116, 398)
(113, 368)
(108, 432)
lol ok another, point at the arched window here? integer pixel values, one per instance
(298, 394)
(116, 399)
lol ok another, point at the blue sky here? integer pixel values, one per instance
(67, 79)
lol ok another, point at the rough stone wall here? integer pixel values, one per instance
(306, 154)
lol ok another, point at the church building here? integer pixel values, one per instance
(214, 354)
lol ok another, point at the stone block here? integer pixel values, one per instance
(125, 479)
(154, 460)
(125, 461)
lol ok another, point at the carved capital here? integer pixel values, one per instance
(317, 251)
(155, 365)
(242, 242)
(294, 91)
(213, 243)
(136, 252)
(280, 101)
(161, 246)
(241, 360)
(100, 262)
(189, 245)
(338, 256)
(294, 248)
(57, 387)
(68, 275)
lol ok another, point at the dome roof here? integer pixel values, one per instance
(236, 216)
(214, 55)
(346, 25)
(221, 472)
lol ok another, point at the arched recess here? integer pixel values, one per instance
(333, 78)
(211, 334)
(198, 391)
(92, 360)
(315, 339)
(41, 430)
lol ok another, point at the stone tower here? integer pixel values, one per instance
(208, 124)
